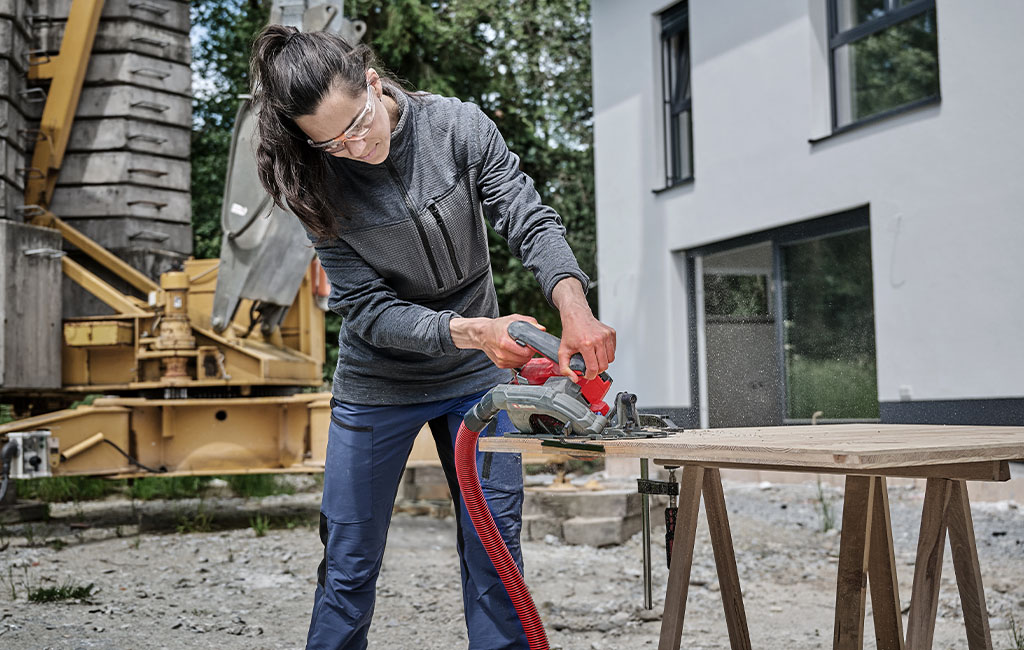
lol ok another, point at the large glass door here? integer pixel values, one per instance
(829, 328)
(784, 327)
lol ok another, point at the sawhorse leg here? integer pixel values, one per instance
(866, 556)
(947, 507)
(696, 480)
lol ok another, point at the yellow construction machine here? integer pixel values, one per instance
(184, 391)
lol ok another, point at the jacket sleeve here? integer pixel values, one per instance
(374, 312)
(533, 230)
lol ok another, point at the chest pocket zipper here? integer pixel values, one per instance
(434, 210)
(416, 221)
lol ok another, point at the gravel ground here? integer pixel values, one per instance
(156, 587)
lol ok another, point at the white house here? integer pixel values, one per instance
(813, 208)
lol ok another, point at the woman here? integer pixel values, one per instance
(390, 187)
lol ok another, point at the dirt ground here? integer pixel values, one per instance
(156, 587)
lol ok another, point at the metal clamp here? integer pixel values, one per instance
(149, 6)
(29, 211)
(32, 95)
(151, 72)
(147, 138)
(149, 41)
(156, 204)
(156, 173)
(49, 253)
(38, 57)
(151, 106)
(31, 172)
(151, 235)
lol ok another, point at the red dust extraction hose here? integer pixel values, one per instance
(480, 514)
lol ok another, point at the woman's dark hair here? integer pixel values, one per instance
(291, 73)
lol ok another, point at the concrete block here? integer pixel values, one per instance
(600, 531)
(579, 503)
(537, 527)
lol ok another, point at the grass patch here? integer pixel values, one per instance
(260, 524)
(256, 485)
(825, 508)
(200, 522)
(1016, 634)
(58, 489)
(168, 487)
(839, 389)
(67, 591)
(85, 401)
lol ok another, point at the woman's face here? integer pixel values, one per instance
(351, 126)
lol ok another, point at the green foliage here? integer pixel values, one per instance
(168, 487)
(896, 66)
(742, 296)
(85, 401)
(825, 509)
(256, 485)
(59, 489)
(6, 413)
(221, 58)
(198, 522)
(1016, 634)
(66, 591)
(840, 389)
(260, 524)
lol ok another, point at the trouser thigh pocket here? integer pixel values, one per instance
(348, 472)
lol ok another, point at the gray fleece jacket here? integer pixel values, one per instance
(412, 252)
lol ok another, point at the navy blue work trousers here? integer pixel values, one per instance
(366, 452)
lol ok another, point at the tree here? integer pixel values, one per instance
(220, 57)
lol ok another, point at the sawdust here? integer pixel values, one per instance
(233, 589)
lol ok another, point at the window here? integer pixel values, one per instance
(675, 86)
(884, 58)
(829, 327)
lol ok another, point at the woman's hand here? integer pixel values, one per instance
(491, 336)
(581, 332)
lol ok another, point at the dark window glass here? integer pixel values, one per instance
(883, 59)
(829, 333)
(850, 13)
(675, 66)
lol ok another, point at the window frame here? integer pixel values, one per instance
(675, 21)
(837, 39)
(855, 219)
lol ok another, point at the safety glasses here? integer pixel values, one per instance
(358, 130)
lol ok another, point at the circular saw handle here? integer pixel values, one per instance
(528, 336)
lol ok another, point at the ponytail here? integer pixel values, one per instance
(292, 72)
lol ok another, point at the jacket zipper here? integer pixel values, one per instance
(416, 221)
(447, 238)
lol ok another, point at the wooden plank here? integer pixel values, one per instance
(725, 560)
(968, 572)
(849, 447)
(852, 579)
(682, 558)
(931, 542)
(996, 470)
(885, 590)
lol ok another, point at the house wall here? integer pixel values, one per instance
(942, 184)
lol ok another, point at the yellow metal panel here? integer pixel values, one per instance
(74, 426)
(74, 368)
(112, 365)
(98, 333)
(67, 70)
(116, 265)
(97, 287)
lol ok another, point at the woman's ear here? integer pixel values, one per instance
(374, 80)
